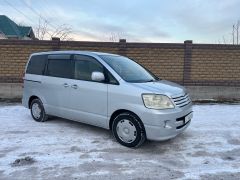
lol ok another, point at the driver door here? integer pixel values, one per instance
(88, 98)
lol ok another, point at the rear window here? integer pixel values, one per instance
(60, 67)
(36, 65)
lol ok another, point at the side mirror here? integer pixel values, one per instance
(98, 76)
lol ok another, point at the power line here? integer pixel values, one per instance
(51, 24)
(35, 12)
(39, 15)
(45, 20)
(22, 13)
(45, 4)
(18, 10)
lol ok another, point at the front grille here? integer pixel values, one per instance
(182, 101)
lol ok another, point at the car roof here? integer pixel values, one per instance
(90, 53)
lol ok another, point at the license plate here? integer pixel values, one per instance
(188, 117)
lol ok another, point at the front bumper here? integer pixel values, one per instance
(166, 124)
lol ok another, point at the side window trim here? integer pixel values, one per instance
(59, 56)
(69, 58)
(45, 67)
(105, 71)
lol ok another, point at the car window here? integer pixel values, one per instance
(37, 64)
(85, 65)
(60, 68)
(128, 69)
(111, 79)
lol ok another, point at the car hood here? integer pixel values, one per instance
(162, 87)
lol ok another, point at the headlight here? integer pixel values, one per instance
(154, 101)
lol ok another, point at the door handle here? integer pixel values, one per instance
(74, 86)
(65, 85)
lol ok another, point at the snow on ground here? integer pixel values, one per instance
(62, 149)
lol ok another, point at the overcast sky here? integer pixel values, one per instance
(203, 21)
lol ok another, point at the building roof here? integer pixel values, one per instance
(11, 29)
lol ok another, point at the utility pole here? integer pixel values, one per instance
(237, 29)
(233, 34)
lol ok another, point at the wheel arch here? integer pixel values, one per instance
(119, 111)
(31, 99)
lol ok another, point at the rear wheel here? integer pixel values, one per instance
(128, 130)
(38, 111)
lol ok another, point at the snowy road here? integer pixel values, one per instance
(61, 149)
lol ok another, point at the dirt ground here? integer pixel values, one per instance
(63, 149)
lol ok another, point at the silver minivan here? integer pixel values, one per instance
(105, 90)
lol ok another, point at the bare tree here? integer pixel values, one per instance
(233, 37)
(44, 31)
(224, 40)
(235, 33)
(63, 32)
(114, 37)
(41, 29)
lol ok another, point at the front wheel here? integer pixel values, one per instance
(128, 130)
(37, 111)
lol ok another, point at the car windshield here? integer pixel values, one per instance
(129, 70)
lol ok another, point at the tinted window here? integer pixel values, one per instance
(85, 65)
(129, 70)
(59, 56)
(36, 65)
(60, 68)
(111, 79)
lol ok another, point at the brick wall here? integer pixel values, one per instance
(215, 65)
(185, 63)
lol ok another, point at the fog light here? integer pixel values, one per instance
(167, 124)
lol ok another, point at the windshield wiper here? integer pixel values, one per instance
(152, 80)
(144, 81)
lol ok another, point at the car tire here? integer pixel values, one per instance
(128, 130)
(37, 111)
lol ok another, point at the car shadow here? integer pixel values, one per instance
(151, 147)
(78, 125)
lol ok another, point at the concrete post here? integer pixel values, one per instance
(122, 46)
(56, 43)
(187, 61)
